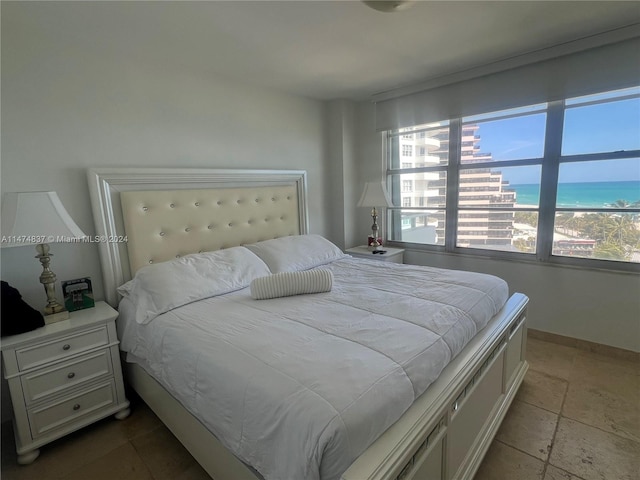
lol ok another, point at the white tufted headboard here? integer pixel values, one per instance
(167, 213)
(162, 225)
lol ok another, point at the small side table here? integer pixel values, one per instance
(393, 255)
(62, 377)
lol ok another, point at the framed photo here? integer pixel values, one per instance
(78, 294)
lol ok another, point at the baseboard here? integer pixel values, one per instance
(593, 347)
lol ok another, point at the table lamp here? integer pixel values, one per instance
(375, 195)
(39, 218)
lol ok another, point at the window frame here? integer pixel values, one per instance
(550, 163)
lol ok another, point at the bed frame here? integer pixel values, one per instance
(166, 213)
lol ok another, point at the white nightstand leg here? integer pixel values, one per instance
(29, 457)
(122, 414)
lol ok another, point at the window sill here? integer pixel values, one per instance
(603, 266)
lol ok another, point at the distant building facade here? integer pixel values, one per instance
(478, 188)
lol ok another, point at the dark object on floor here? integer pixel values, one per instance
(16, 315)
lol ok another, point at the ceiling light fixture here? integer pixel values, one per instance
(388, 6)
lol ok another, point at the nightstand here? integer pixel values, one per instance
(62, 377)
(394, 255)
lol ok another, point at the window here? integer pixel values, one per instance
(407, 150)
(556, 182)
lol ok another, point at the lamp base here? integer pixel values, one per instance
(56, 317)
(371, 242)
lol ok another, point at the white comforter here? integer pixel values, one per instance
(299, 387)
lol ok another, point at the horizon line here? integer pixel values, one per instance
(593, 181)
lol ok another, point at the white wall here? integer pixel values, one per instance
(67, 108)
(594, 305)
(346, 181)
(369, 167)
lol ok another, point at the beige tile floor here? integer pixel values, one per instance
(576, 417)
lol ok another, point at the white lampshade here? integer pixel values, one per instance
(36, 217)
(375, 195)
(389, 6)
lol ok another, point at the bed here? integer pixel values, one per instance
(439, 416)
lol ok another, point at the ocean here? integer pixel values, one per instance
(584, 194)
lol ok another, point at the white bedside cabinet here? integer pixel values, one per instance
(62, 377)
(394, 255)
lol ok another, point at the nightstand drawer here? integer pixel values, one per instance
(48, 381)
(59, 414)
(47, 352)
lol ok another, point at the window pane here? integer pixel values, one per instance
(425, 189)
(495, 230)
(600, 184)
(602, 127)
(511, 138)
(420, 146)
(418, 226)
(604, 236)
(500, 187)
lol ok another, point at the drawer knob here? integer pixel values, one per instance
(71, 375)
(66, 346)
(76, 406)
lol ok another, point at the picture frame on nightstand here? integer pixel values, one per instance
(78, 294)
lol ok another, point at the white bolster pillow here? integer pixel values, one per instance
(286, 284)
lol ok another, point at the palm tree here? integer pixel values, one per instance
(622, 230)
(563, 220)
(610, 251)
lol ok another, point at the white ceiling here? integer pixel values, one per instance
(319, 49)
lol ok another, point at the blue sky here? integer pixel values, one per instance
(588, 129)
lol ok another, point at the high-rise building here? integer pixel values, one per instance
(478, 188)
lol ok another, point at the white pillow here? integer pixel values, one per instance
(286, 284)
(297, 252)
(161, 287)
